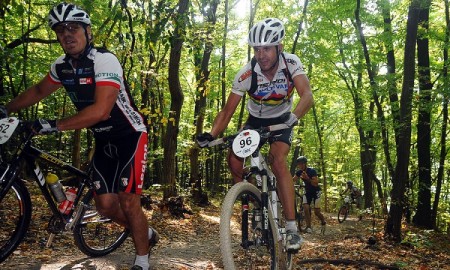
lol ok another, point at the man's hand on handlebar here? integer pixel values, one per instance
(203, 139)
(43, 126)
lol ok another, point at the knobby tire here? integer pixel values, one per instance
(343, 213)
(234, 256)
(95, 235)
(15, 216)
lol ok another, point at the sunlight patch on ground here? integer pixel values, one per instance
(210, 218)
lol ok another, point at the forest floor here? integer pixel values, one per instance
(192, 243)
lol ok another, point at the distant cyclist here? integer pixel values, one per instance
(312, 191)
(355, 194)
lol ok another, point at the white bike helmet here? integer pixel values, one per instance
(67, 13)
(268, 32)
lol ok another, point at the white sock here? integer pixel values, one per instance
(142, 261)
(150, 233)
(291, 225)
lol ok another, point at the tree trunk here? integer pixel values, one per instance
(394, 221)
(422, 217)
(443, 144)
(202, 66)
(176, 94)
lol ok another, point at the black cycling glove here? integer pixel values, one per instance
(204, 138)
(42, 126)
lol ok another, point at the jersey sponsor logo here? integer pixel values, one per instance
(97, 185)
(86, 81)
(103, 129)
(107, 74)
(67, 71)
(124, 181)
(68, 82)
(245, 75)
(291, 61)
(300, 68)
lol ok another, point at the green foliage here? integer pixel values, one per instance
(140, 35)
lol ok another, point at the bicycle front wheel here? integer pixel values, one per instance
(15, 216)
(342, 214)
(300, 213)
(241, 241)
(96, 235)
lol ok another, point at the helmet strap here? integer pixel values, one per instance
(278, 57)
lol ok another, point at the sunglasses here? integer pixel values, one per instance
(71, 27)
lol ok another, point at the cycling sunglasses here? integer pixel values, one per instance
(72, 27)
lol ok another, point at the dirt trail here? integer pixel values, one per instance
(192, 243)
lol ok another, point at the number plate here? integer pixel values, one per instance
(246, 143)
(7, 127)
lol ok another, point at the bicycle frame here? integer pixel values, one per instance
(31, 155)
(93, 234)
(266, 183)
(266, 237)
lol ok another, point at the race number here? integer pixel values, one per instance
(246, 143)
(7, 127)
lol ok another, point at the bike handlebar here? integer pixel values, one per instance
(261, 130)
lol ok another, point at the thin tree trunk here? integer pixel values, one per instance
(202, 65)
(176, 94)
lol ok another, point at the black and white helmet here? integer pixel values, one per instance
(302, 159)
(67, 13)
(268, 32)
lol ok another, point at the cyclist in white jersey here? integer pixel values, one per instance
(270, 103)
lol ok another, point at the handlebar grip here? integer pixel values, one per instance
(216, 142)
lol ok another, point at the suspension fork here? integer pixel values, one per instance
(244, 237)
(265, 208)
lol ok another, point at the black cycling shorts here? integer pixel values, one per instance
(283, 135)
(119, 164)
(312, 199)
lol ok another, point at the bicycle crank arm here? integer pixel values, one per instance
(71, 225)
(50, 240)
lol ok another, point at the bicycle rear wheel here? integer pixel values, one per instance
(342, 214)
(240, 240)
(15, 216)
(96, 235)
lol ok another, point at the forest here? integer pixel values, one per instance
(378, 71)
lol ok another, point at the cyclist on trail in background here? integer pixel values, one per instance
(93, 79)
(312, 191)
(355, 194)
(275, 74)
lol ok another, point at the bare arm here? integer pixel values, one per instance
(312, 180)
(104, 100)
(224, 116)
(301, 83)
(32, 95)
